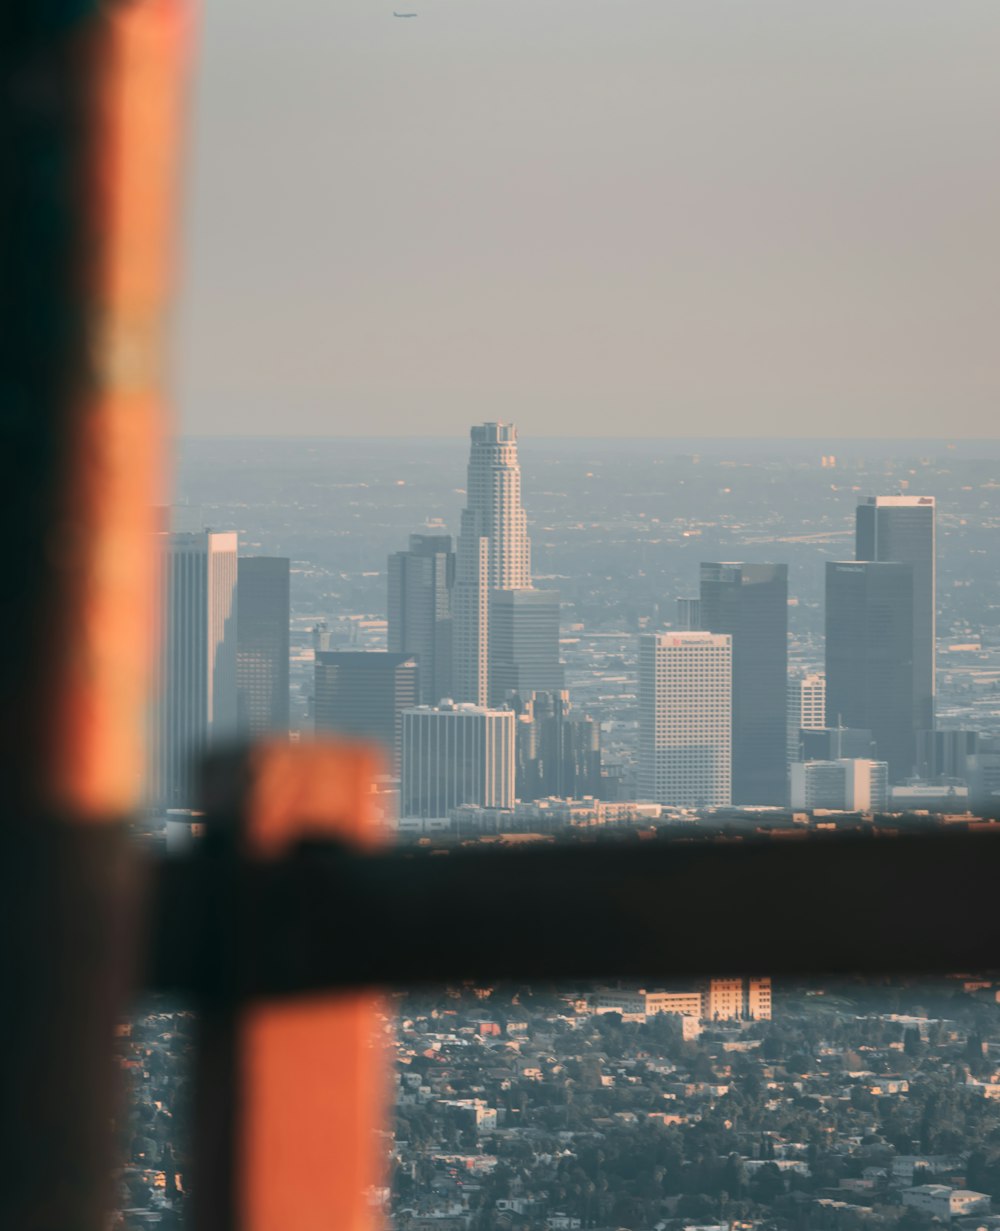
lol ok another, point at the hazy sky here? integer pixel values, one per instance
(636, 217)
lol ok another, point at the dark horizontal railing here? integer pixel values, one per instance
(328, 917)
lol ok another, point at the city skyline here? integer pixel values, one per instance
(633, 753)
(749, 600)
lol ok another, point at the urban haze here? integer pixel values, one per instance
(640, 641)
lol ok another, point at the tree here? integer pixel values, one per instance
(767, 1184)
(696, 1206)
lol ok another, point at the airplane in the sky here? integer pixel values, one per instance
(405, 14)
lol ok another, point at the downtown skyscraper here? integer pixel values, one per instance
(262, 643)
(523, 644)
(454, 755)
(198, 661)
(558, 749)
(749, 602)
(362, 694)
(419, 613)
(806, 709)
(901, 529)
(685, 719)
(494, 559)
(869, 657)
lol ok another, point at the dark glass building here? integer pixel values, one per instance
(688, 614)
(945, 754)
(558, 750)
(419, 610)
(750, 603)
(524, 643)
(363, 693)
(262, 645)
(901, 529)
(869, 657)
(835, 743)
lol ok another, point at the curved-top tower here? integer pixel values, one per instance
(493, 552)
(494, 509)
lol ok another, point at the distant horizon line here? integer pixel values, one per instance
(721, 439)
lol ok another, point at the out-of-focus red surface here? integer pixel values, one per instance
(103, 548)
(311, 1073)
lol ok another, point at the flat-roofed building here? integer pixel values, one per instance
(901, 529)
(749, 602)
(850, 784)
(945, 754)
(686, 1004)
(455, 754)
(732, 999)
(833, 743)
(941, 1201)
(685, 718)
(869, 657)
(688, 614)
(523, 643)
(363, 693)
(758, 1005)
(198, 661)
(806, 709)
(262, 645)
(419, 610)
(723, 999)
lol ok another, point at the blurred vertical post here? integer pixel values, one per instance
(89, 125)
(115, 456)
(291, 1092)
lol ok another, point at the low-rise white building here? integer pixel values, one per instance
(850, 784)
(940, 1201)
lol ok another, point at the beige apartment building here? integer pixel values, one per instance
(724, 999)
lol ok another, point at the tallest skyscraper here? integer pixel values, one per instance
(493, 570)
(493, 552)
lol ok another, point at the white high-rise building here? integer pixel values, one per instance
(455, 754)
(493, 553)
(494, 503)
(198, 661)
(851, 784)
(685, 718)
(806, 708)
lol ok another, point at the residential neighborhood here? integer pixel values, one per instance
(544, 1109)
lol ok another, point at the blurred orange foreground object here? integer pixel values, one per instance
(103, 542)
(310, 1077)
